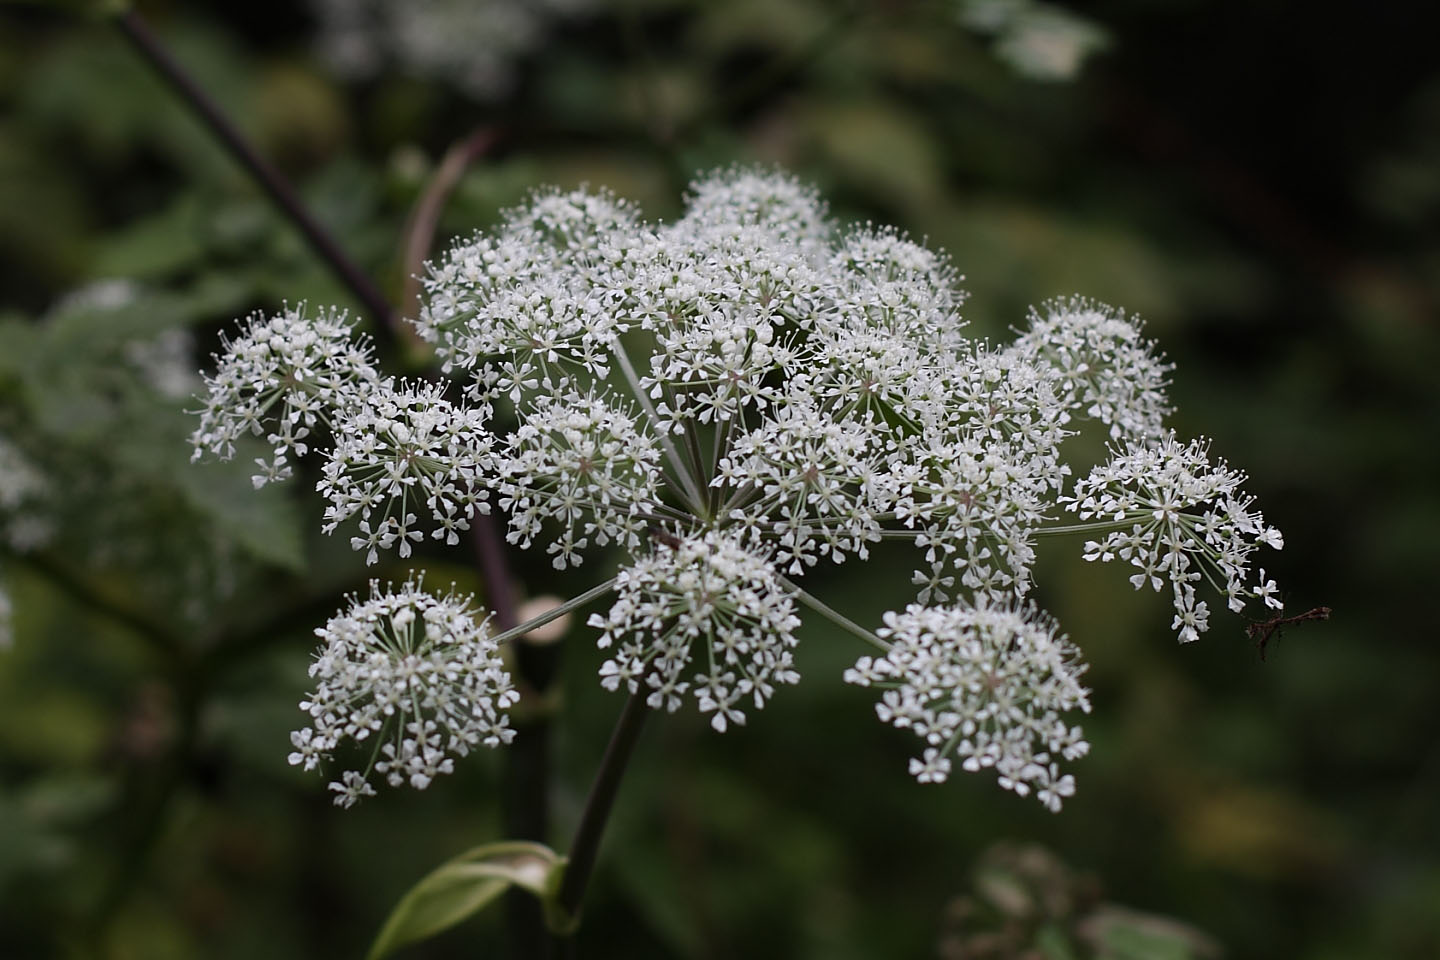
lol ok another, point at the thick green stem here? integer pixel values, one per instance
(586, 846)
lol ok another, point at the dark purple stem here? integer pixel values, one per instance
(586, 846)
(138, 32)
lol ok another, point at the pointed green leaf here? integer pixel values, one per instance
(464, 886)
(266, 522)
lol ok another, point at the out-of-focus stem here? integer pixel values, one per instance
(143, 39)
(420, 231)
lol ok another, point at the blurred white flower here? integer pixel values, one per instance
(167, 363)
(473, 44)
(25, 523)
(1041, 41)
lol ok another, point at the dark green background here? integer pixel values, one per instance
(1259, 180)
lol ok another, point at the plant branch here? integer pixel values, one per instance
(143, 39)
(586, 846)
(159, 637)
(691, 492)
(555, 612)
(420, 231)
(1097, 526)
(833, 615)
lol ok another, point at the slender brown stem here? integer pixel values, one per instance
(490, 558)
(162, 640)
(586, 845)
(490, 553)
(420, 230)
(138, 32)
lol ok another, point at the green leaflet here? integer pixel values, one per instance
(466, 885)
(73, 386)
(265, 522)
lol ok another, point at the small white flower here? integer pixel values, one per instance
(416, 672)
(985, 683)
(1103, 365)
(400, 450)
(707, 592)
(1267, 590)
(583, 462)
(282, 377)
(773, 200)
(1187, 520)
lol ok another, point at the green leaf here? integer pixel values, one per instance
(1051, 942)
(1136, 943)
(466, 885)
(266, 522)
(17, 343)
(175, 238)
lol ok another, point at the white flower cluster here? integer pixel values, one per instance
(24, 522)
(712, 590)
(584, 461)
(1184, 520)
(417, 673)
(473, 44)
(986, 683)
(282, 377)
(400, 448)
(1104, 367)
(735, 397)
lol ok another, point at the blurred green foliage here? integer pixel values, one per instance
(1272, 216)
